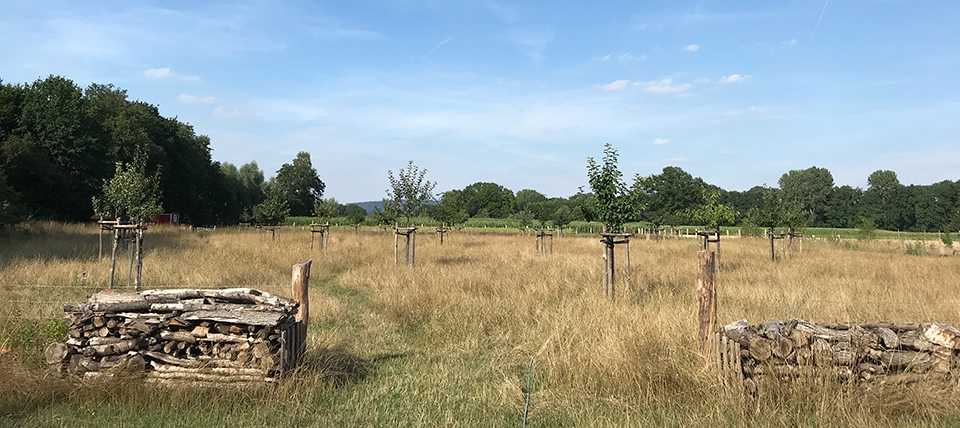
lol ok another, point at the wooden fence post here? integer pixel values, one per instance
(301, 292)
(301, 284)
(707, 316)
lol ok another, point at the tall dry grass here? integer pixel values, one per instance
(449, 341)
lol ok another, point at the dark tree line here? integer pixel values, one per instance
(886, 203)
(59, 143)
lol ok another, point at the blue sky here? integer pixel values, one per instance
(521, 93)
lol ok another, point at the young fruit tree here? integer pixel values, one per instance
(409, 192)
(612, 198)
(130, 194)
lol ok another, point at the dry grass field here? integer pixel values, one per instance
(449, 341)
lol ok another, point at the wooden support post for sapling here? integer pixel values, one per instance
(138, 282)
(113, 256)
(324, 231)
(542, 235)
(440, 232)
(627, 253)
(410, 252)
(610, 240)
(773, 252)
(706, 292)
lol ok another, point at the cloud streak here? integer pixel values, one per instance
(442, 42)
(734, 78)
(665, 87)
(196, 99)
(166, 73)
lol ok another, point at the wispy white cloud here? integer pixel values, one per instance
(790, 42)
(441, 43)
(615, 85)
(196, 99)
(753, 113)
(532, 41)
(166, 73)
(661, 141)
(734, 78)
(505, 13)
(692, 48)
(221, 112)
(158, 73)
(673, 19)
(601, 58)
(626, 57)
(680, 159)
(665, 87)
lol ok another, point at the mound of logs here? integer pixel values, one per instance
(847, 352)
(211, 337)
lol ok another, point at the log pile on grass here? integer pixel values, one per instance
(238, 335)
(847, 352)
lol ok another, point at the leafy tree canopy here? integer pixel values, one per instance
(326, 209)
(492, 200)
(450, 210)
(810, 188)
(614, 205)
(299, 184)
(273, 210)
(409, 191)
(130, 194)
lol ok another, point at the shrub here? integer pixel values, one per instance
(867, 228)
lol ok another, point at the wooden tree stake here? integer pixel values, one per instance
(707, 316)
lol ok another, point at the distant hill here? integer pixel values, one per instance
(368, 206)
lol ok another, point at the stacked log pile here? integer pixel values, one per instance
(236, 335)
(849, 352)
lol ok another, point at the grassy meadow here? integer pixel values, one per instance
(449, 341)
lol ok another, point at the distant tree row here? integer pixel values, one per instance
(66, 153)
(804, 198)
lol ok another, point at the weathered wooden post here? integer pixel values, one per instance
(410, 251)
(128, 240)
(542, 235)
(706, 292)
(608, 265)
(773, 251)
(324, 230)
(441, 231)
(627, 254)
(610, 240)
(113, 255)
(138, 282)
(301, 292)
(799, 236)
(705, 238)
